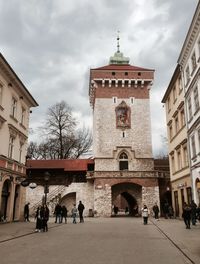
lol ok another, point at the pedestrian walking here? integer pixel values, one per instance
(81, 208)
(57, 212)
(166, 210)
(45, 217)
(186, 215)
(198, 212)
(39, 219)
(64, 214)
(171, 212)
(74, 213)
(26, 212)
(145, 214)
(156, 211)
(193, 212)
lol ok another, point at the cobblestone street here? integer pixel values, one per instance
(101, 240)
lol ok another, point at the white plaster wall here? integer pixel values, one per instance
(108, 139)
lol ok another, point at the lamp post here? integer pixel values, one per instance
(46, 187)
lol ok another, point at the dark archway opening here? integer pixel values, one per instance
(131, 204)
(125, 205)
(4, 199)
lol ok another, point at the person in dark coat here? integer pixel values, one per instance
(64, 214)
(193, 212)
(81, 207)
(156, 211)
(57, 212)
(39, 219)
(45, 217)
(26, 212)
(186, 215)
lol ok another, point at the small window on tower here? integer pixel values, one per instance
(123, 134)
(139, 73)
(113, 73)
(126, 73)
(132, 100)
(123, 161)
(114, 100)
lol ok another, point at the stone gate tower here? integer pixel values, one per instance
(119, 95)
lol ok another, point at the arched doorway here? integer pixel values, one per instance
(5, 199)
(197, 190)
(69, 200)
(16, 203)
(127, 198)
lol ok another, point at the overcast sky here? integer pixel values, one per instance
(52, 44)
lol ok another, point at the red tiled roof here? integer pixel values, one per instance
(67, 165)
(125, 67)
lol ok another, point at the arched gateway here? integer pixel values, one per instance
(126, 197)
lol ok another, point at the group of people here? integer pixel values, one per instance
(191, 213)
(42, 218)
(60, 212)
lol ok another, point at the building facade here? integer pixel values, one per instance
(189, 61)
(177, 143)
(15, 104)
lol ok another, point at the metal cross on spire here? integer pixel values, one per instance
(118, 38)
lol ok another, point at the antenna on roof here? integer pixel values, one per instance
(118, 38)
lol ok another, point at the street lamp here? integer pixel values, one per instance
(46, 187)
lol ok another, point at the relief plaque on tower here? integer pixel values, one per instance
(123, 114)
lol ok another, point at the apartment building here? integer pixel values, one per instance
(189, 61)
(15, 104)
(177, 143)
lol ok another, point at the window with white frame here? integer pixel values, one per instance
(176, 124)
(199, 138)
(189, 108)
(187, 74)
(174, 93)
(14, 107)
(182, 115)
(173, 163)
(168, 104)
(11, 147)
(199, 49)
(1, 93)
(193, 146)
(170, 131)
(180, 85)
(185, 156)
(23, 115)
(196, 98)
(194, 61)
(20, 151)
(179, 161)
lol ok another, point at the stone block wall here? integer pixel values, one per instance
(103, 201)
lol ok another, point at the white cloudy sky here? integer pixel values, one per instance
(52, 44)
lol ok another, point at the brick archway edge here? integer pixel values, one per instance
(146, 182)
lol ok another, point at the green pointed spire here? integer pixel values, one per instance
(118, 57)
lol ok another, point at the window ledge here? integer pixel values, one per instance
(23, 126)
(197, 110)
(14, 118)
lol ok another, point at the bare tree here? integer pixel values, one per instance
(60, 124)
(62, 138)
